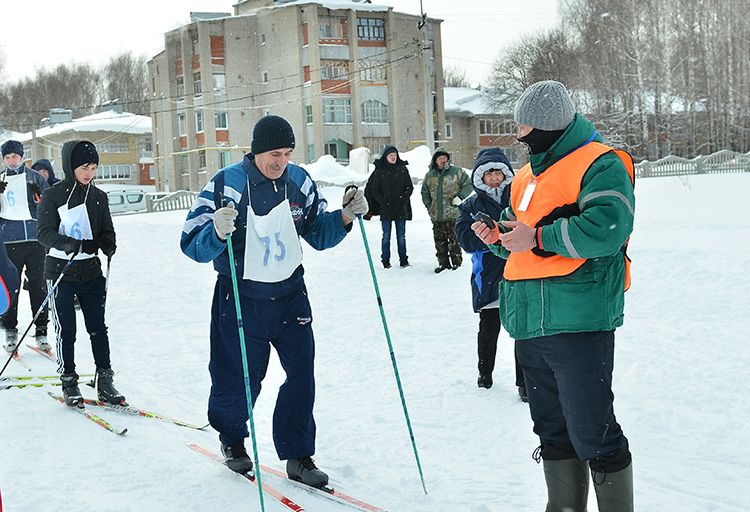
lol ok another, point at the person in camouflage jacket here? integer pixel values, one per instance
(443, 189)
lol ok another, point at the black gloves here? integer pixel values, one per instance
(108, 248)
(3, 184)
(69, 245)
(88, 246)
(35, 188)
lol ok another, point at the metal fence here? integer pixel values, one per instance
(180, 200)
(721, 162)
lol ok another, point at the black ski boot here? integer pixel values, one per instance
(71, 393)
(106, 389)
(484, 380)
(304, 470)
(236, 458)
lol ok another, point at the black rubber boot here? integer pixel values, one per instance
(236, 458)
(614, 491)
(106, 389)
(304, 470)
(567, 485)
(71, 393)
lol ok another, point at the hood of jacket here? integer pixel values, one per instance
(438, 151)
(491, 159)
(382, 162)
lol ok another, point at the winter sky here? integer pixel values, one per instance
(45, 33)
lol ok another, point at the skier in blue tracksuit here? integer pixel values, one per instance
(266, 204)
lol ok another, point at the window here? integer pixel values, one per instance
(374, 111)
(220, 119)
(332, 149)
(495, 127)
(134, 198)
(115, 200)
(332, 27)
(337, 110)
(194, 45)
(220, 83)
(198, 121)
(448, 131)
(180, 88)
(113, 172)
(308, 114)
(311, 152)
(181, 125)
(264, 76)
(371, 29)
(201, 159)
(262, 39)
(114, 147)
(224, 158)
(372, 70)
(334, 70)
(197, 84)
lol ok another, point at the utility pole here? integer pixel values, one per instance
(427, 82)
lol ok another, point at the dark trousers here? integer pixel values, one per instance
(29, 254)
(489, 330)
(285, 323)
(569, 382)
(400, 240)
(91, 297)
(447, 250)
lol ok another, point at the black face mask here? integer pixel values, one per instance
(539, 141)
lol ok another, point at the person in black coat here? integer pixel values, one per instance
(388, 191)
(44, 167)
(74, 225)
(491, 179)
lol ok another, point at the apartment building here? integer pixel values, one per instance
(471, 125)
(123, 141)
(344, 73)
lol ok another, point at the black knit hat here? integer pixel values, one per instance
(12, 146)
(272, 132)
(84, 153)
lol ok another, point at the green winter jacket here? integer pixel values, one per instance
(592, 297)
(441, 187)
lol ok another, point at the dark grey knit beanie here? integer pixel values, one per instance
(545, 105)
(272, 132)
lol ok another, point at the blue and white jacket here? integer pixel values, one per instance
(319, 228)
(23, 230)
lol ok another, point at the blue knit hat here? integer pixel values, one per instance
(12, 146)
(272, 132)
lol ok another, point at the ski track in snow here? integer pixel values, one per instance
(681, 393)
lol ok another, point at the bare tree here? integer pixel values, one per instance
(125, 77)
(454, 76)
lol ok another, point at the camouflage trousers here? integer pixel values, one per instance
(447, 250)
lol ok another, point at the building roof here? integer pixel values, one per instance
(107, 121)
(335, 4)
(465, 101)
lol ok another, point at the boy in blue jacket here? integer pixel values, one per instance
(491, 179)
(266, 203)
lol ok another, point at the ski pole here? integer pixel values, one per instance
(390, 346)
(41, 308)
(248, 393)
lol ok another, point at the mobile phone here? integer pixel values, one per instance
(483, 217)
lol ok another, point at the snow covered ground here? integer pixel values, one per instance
(682, 393)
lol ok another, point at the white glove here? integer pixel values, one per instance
(354, 203)
(224, 221)
(456, 201)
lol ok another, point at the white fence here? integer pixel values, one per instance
(720, 162)
(180, 200)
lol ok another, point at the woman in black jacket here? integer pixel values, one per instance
(74, 222)
(389, 188)
(491, 178)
